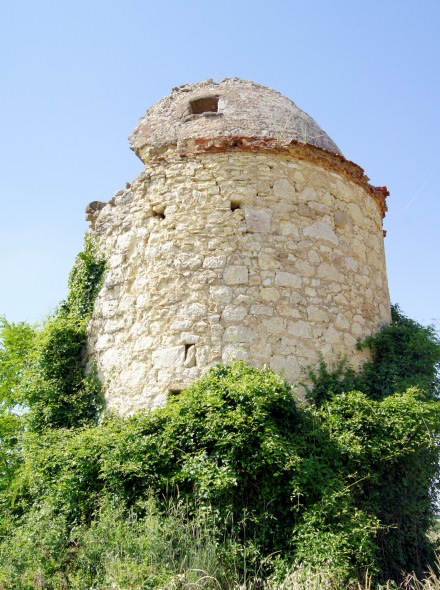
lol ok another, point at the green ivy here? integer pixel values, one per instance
(403, 354)
(346, 486)
(45, 369)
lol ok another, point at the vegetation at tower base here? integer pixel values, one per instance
(403, 354)
(232, 481)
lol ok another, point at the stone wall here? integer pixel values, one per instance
(261, 256)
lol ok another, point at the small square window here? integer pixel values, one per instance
(208, 104)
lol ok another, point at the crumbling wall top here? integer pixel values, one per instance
(231, 108)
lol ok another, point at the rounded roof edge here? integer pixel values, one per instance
(230, 108)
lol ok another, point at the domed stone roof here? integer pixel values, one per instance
(231, 108)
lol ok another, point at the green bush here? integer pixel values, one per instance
(44, 369)
(320, 486)
(403, 354)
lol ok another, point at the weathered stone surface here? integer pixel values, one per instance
(287, 279)
(321, 231)
(234, 314)
(257, 220)
(232, 107)
(236, 275)
(296, 270)
(169, 357)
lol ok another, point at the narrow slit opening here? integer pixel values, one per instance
(187, 347)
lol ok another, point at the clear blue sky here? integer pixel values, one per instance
(76, 76)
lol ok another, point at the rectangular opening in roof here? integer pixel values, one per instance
(208, 104)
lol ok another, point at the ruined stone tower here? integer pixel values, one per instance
(247, 236)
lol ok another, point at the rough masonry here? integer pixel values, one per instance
(247, 236)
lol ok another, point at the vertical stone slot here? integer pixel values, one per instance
(190, 356)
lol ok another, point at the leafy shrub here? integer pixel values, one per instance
(403, 354)
(317, 486)
(44, 370)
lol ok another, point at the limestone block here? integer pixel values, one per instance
(262, 349)
(214, 262)
(283, 189)
(221, 294)
(351, 264)
(286, 365)
(190, 338)
(232, 314)
(259, 309)
(267, 262)
(305, 269)
(190, 359)
(274, 325)
(181, 324)
(257, 220)
(103, 341)
(188, 261)
(356, 213)
(333, 336)
(232, 352)
(269, 294)
(287, 279)
(143, 343)
(190, 375)
(343, 220)
(317, 314)
(321, 231)
(329, 272)
(236, 275)
(321, 208)
(301, 329)
(214, 319)
(288, 310)
(109, 359)
(313, 257)
(305, 210)
(308, 194)
(288, 229)
(202, 356)
(166, 376)
(169, 357)
(125, 242)
(342, 322)
(238, 334)
(193, 311)
(357, 329)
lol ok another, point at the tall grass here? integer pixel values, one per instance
(172, 551)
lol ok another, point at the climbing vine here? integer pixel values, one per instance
(44, 368)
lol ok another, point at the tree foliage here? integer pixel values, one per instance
(346, 486)
(404, 354)
(44, 368)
